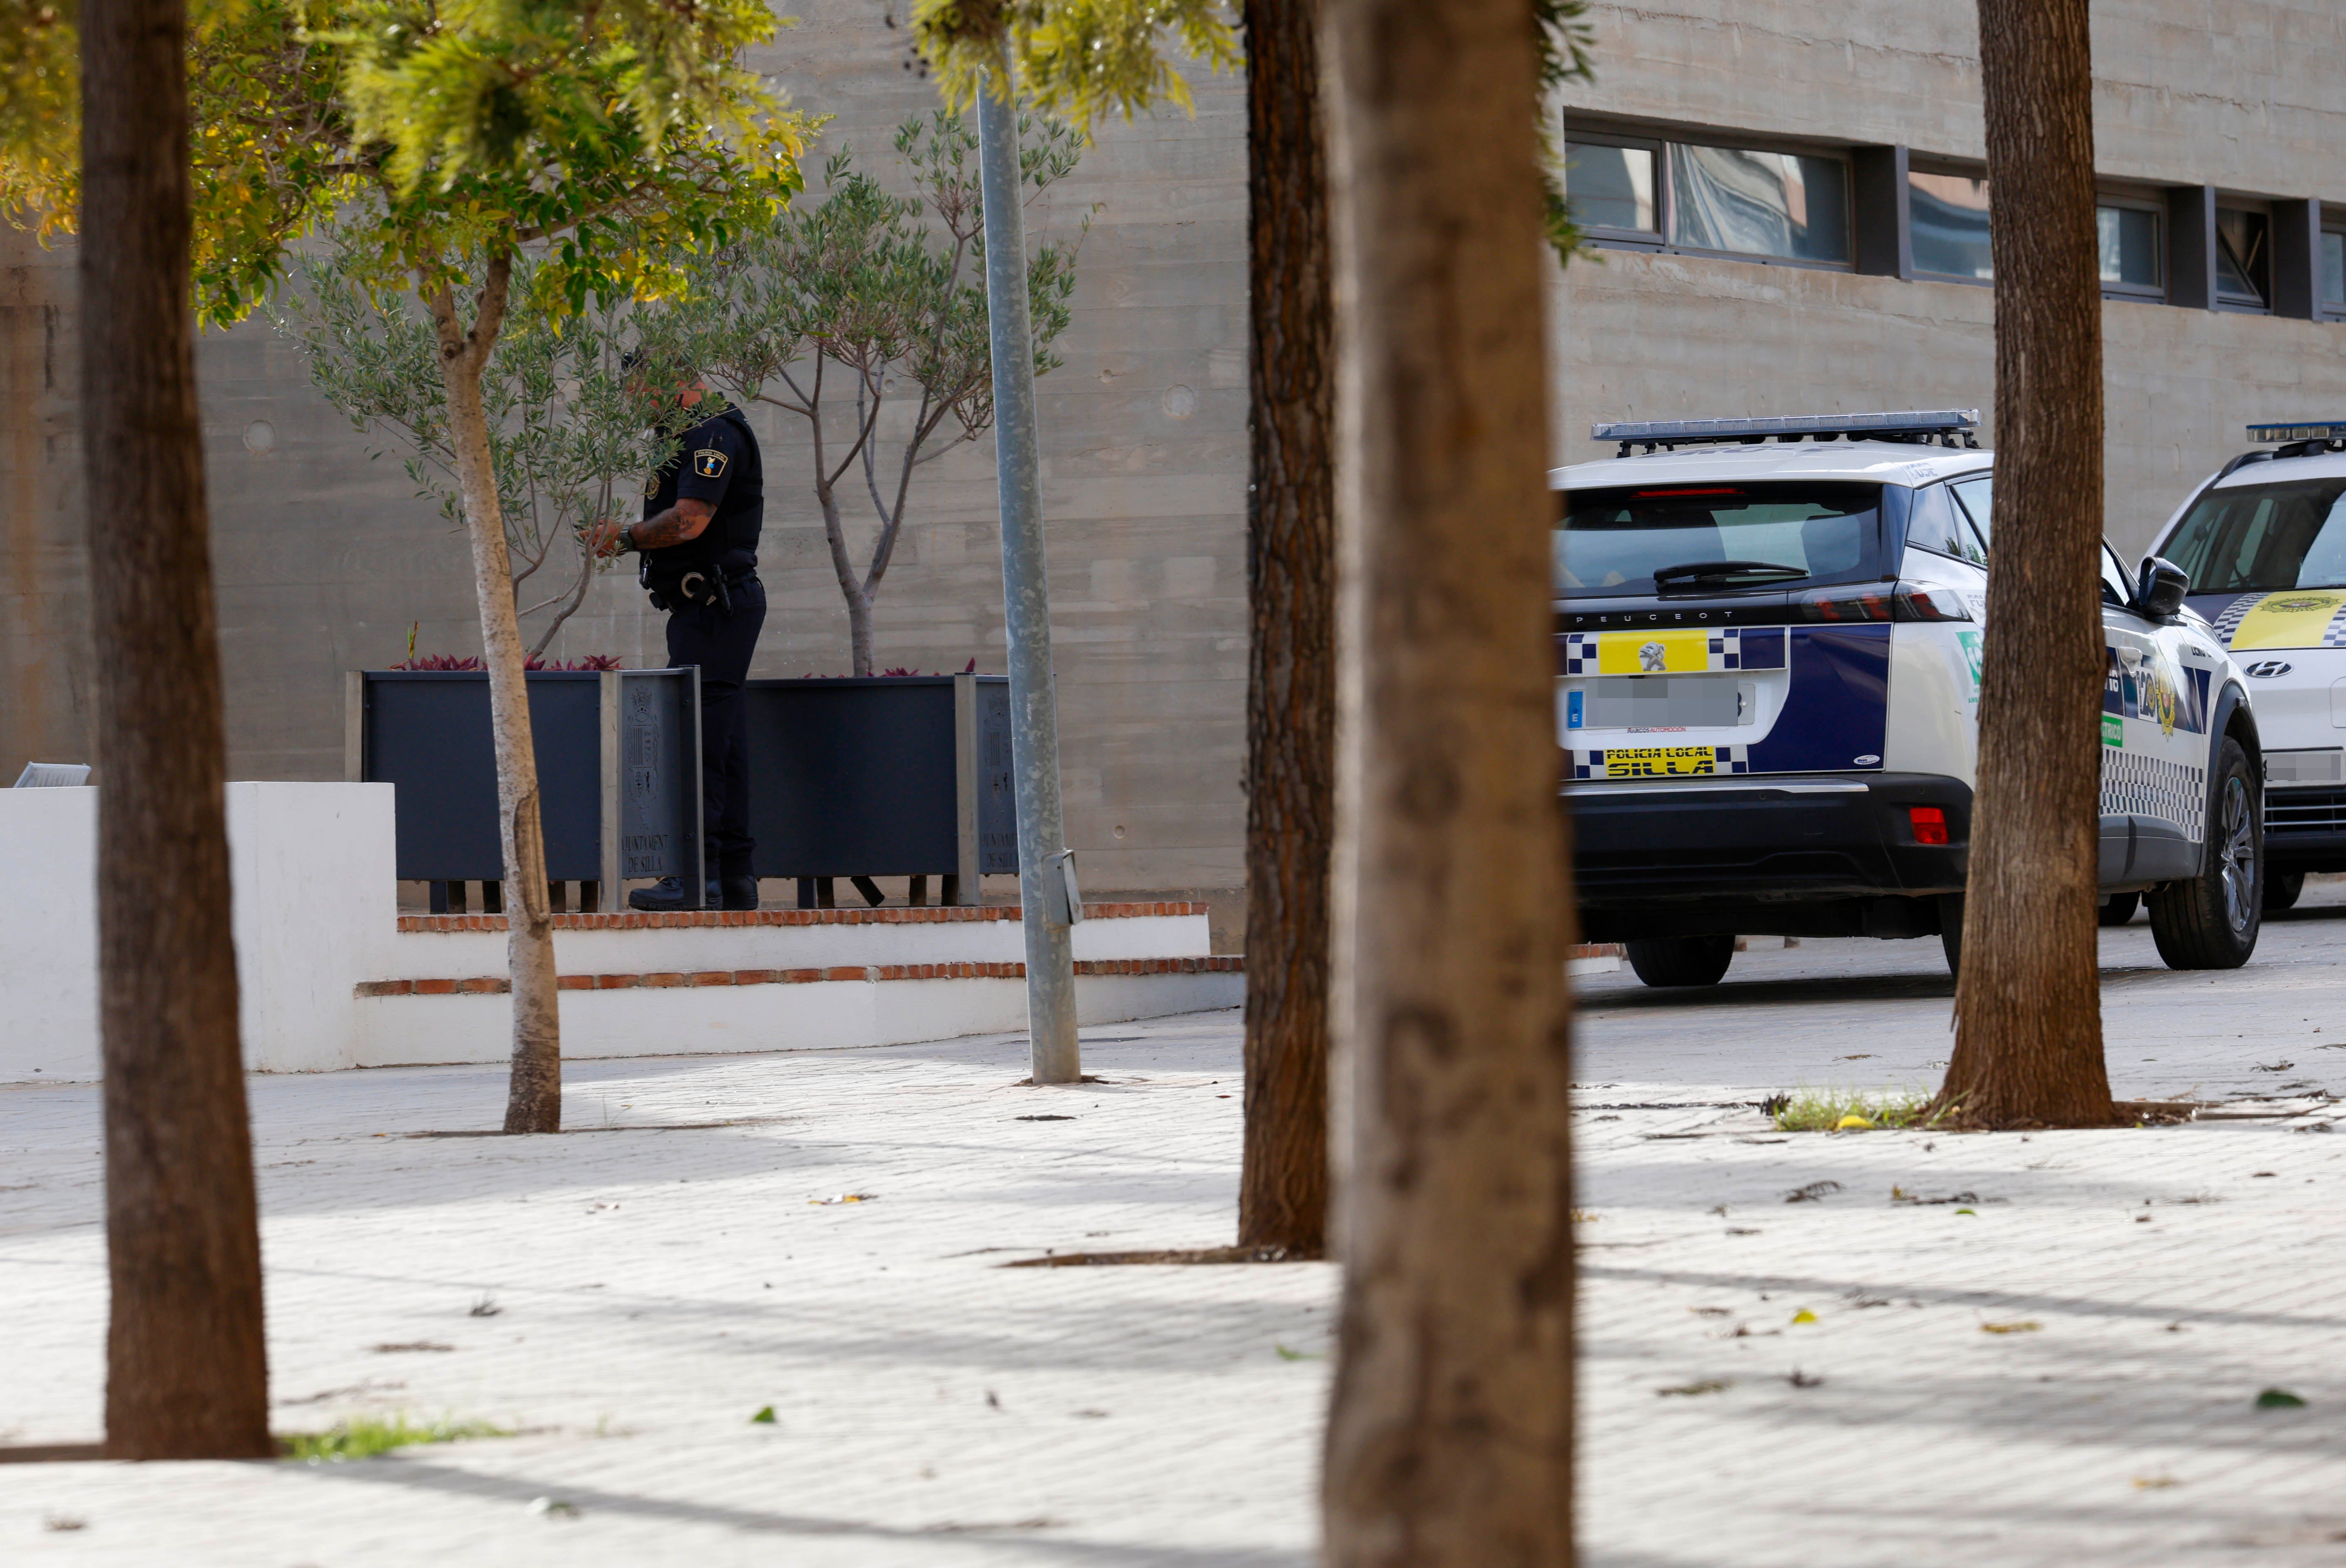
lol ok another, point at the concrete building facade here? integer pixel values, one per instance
(2205, 116)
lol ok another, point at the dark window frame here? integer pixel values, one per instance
(2129, 201)
(2234, 304)
(2325, 309)
(1660, 142)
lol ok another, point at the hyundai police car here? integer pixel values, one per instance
(2264, 543)
(1768, 634)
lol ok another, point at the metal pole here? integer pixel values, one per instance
(1034, 702)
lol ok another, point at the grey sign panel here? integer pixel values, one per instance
(656, 781)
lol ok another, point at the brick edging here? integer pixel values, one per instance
(498, 984)
(933, 914)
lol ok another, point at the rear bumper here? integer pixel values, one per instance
(2305, 828)
(1663, 848)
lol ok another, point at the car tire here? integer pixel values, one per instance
(2120, 908)
(2283, 889)
(1951, 931)
(1682, 960)
(2210, 920)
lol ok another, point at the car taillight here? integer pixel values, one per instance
(1843, 606)
(1917, 602)
(1930, 824)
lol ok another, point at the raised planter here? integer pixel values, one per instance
(883, 775)
(618, 776)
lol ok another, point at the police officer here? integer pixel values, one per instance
(698, 541)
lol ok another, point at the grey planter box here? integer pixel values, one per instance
(883, 775)
(618, 772)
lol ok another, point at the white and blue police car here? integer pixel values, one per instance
(2264, 543)
(1769, 640)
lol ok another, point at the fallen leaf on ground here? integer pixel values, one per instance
(1852, 1122)
(2024, 1325)
(1801, 1380)
(2153, 1482)
(1707, 1386)
(842, 1197)
(764, 1418)
(2278, 1399)
(1805, 1315)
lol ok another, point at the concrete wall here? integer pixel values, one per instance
(324, 558)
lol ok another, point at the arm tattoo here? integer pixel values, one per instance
(683, 521)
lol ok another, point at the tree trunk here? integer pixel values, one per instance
(1291, 675)
(1450, 1436)
(2028, 1027)
(187, 1359)
(533, 1092)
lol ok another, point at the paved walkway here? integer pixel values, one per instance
(640, 1293)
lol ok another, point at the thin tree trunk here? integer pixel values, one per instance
(533, 1092)
(1450, 1437)
(1291, 675)
(2028, 1025)
(187, 1359)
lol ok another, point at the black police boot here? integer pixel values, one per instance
(740, 893)
(667, 896)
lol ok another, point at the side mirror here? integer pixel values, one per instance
(2159, 592)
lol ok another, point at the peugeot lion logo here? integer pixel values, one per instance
(1650, 658)
(2269, 667)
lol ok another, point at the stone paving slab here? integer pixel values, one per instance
(652, 1289)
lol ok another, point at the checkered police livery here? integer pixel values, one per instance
(1690, 650)
(2134, 785)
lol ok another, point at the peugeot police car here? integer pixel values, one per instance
(1768, 641)
(2264, 543)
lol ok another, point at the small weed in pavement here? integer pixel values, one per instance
(1706, 1386)
(2278, 1399)
(1824, 1110)
(367, 1436)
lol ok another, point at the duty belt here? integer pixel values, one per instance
(699, 585)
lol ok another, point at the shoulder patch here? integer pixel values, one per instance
(708, 462)
(651, 484)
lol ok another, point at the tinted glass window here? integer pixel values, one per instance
(1610, 186)
(2129, 240)
(1725, 536)
(1977, 497)
(1936, 523)
(2243, 265)
(2333, 269)
(2264, 537)
(1949, 212)
(1759, 203)
(2115, 589)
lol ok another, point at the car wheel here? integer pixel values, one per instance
(2283, 889)
(2211, 920)
(1682, 960)
(2120, 908)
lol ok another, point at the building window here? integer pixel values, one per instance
(1949, 217)
(2333, 272)
(1730, 201)
(2130, 249)
(1613, 188)
(2243, 260)
(1750, 203)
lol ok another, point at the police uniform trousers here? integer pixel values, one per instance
(721, 643)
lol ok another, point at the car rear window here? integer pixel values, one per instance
(1739, 537)
(2264, 536)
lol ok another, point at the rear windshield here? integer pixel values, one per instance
(1705, 538)
(2264, 536)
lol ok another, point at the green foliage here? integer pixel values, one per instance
(367, 1436)
(1822, 1110)
(1080, 58)
(1565, 42)
(866, 317)
(567, 435)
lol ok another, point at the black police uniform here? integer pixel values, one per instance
(716, 605)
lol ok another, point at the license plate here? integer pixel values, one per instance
(1660, 761)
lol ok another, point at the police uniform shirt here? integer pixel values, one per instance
(717, 461)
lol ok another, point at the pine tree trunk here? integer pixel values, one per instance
(1450, 1437)
(187, 1359)
(2028, 1026)
(533, 1091)
(1291, 675)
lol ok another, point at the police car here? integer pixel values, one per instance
(2264, 543)
(1768, 639)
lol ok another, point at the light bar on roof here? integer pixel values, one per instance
(2334, 430)
(1792, 426)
